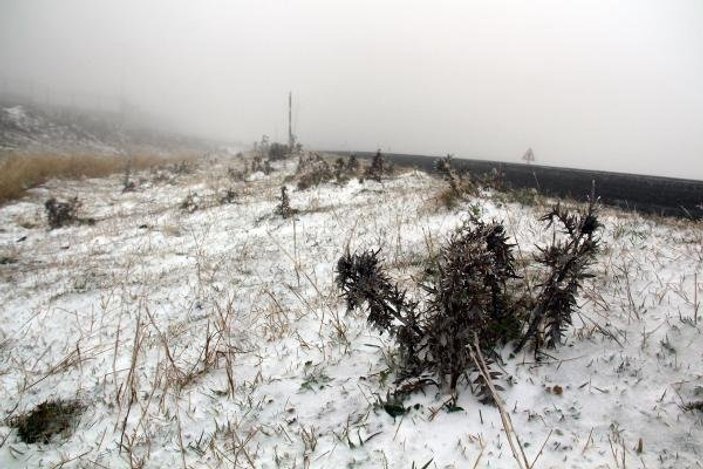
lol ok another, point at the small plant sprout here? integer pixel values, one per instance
(283, 208)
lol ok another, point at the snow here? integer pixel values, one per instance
(293, 379)
(42, 129)
(17, 113)
(32, 130)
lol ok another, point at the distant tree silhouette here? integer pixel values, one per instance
(529, 156)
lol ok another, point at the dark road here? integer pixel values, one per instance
(648, 194)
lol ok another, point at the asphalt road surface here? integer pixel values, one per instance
(650, 194)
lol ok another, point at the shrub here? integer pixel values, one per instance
(445, 167)
(312, 170)
(183, 167)
(257, 164)
(190, 203)
(277, 151)
(229, 197)
(469, 300)
(459, 184)
(61, 214)
(528, 197)
(494, 179)
(363, 281)
(46, 420)
(379, 167)
(129, 187)
(449, 198)
(340, 171)
(236, 175)
(343, 171)
(283, 208)
(567, 261)
(352, 165)
(476, 302)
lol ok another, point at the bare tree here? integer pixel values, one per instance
(529, 156)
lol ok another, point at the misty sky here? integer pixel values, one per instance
(615, 85)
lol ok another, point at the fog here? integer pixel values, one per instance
(614, 85)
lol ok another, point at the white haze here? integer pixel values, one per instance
(614, 85)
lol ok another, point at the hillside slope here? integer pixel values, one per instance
(211, 334)
(26, 128)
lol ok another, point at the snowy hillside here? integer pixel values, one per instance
(32, 129)
(211, 334)
(25, 128)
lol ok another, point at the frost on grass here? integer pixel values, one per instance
(228, 345)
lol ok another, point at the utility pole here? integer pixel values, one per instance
(291, 137)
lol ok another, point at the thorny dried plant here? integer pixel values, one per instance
(468, 296)
(363, 281)
(567, 261)
(283, 208)
(475, 297)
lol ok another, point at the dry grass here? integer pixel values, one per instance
(21, 172)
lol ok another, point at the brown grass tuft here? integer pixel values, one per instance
(21, 172)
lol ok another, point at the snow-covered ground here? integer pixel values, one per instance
(35, 129)
(30, 129)
(216, 338)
